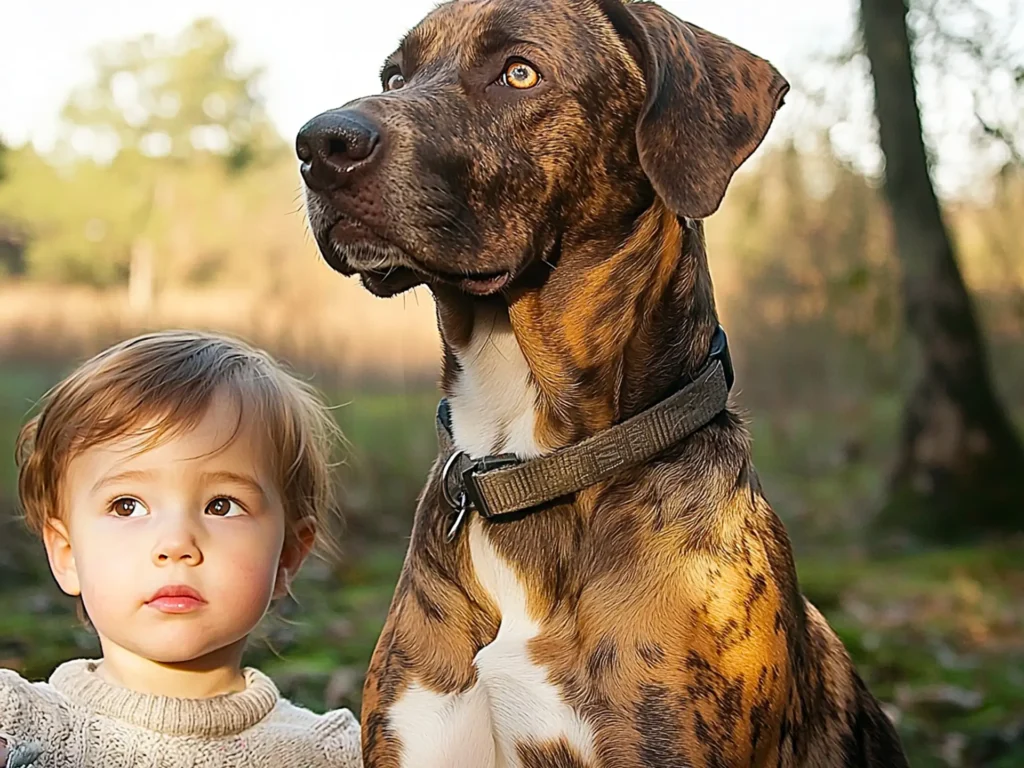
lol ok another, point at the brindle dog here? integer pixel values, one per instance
(543, 166)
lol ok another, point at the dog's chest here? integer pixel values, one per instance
(527, 710)
(514, 713)
(493, 399)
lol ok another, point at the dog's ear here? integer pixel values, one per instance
(709, 105)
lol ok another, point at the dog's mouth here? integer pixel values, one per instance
(396, 279)
(389, 282)
(476, 283)
(386, 269)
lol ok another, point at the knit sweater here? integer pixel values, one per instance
(78, 720)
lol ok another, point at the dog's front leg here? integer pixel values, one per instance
(423, 705)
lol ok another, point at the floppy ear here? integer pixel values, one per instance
(709, 105)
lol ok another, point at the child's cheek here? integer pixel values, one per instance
(111, 591)
(250, 572)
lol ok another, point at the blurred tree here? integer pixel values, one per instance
(153, 107)
(11, 239)
(969, 79)
(960, 469)
(974, 51)
(173, 98)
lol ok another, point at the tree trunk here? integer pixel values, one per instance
(960, 468)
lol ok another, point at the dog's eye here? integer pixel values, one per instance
(519, 74)
(394, 82)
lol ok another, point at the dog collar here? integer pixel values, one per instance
(504, 486)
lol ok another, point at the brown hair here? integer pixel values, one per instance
(158, 384)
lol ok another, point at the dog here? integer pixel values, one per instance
(594, 577)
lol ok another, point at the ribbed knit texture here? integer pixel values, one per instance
(80, 720)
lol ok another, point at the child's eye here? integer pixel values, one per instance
(224, 507)
(126, 506)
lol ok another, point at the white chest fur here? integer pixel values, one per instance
(513, 702)
(526, 708)
(493, 402)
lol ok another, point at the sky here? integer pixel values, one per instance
(317, 55)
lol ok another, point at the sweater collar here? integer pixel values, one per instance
(221, 715)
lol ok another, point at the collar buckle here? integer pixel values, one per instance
(470, 488)
(460, 489)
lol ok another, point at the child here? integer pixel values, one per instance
(178, 481)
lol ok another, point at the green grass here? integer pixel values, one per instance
(20, 388)
(938, 635)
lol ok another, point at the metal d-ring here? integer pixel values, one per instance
(448, 465)
(460, 515)
(460, 503)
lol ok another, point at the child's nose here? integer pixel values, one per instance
(177, 546)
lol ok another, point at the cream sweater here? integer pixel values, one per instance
(78, 720)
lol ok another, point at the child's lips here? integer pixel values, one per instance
(176, 599)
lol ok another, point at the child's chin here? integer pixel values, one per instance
(182, 649)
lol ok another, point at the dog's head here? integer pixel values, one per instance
(508, 129)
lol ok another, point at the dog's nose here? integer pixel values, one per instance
(333, 145)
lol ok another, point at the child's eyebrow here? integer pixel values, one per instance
(128, 474)
(222, 476)
(234, 477)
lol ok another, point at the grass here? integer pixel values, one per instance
(20, 388)
(938, 635)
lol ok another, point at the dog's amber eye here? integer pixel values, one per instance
(519, 74)
(395, 82)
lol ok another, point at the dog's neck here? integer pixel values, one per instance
(595, 340)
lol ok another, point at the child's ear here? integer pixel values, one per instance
(297, 546)
(62, 560)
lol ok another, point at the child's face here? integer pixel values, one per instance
(177, 550)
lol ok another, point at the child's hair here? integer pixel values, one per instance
(159, 384)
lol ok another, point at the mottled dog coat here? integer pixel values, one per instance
(544, 166)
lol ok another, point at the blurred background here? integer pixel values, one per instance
(867, 262)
